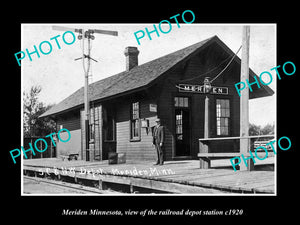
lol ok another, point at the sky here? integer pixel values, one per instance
(60, 75)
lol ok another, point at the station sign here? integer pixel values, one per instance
(200, 89)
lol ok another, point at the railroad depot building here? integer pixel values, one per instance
(123, 107)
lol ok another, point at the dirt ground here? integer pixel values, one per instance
(37, 187)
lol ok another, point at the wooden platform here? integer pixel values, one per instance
(184, 177)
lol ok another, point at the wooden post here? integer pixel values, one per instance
(30, 156)
(101, 131)
(41, 147)
(206, 118)
(204, 147)
(51, 150)
(131, 189)
(244, 102)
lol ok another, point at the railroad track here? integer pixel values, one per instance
(66, 186)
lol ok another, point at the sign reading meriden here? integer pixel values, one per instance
(200, 89)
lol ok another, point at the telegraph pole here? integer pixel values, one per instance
(86, 34)
(244, 101)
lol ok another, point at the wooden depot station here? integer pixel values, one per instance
(123, 107)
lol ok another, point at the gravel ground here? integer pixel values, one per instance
(37, 187)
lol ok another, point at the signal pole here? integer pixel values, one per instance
(84, 35)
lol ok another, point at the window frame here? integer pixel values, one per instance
(226, 117)
(135, 120)
(181, 102)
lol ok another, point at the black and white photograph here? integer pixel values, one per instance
(149, 113)
(171, 108)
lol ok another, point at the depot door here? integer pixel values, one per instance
(109, 131)
(182, 126)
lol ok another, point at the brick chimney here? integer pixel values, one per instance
(131, 54)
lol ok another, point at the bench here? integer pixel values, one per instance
(205, 156)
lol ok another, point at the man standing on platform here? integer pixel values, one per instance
(158, 141)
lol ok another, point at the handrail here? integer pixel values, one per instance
(233, 138)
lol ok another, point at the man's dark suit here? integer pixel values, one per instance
(158, 141)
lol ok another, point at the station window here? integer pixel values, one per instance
(181, 102)
(179, 132)
(92, 132)
(223, 116)
(135, 133)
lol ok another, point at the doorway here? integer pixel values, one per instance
(182, 126)
(109, 131)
